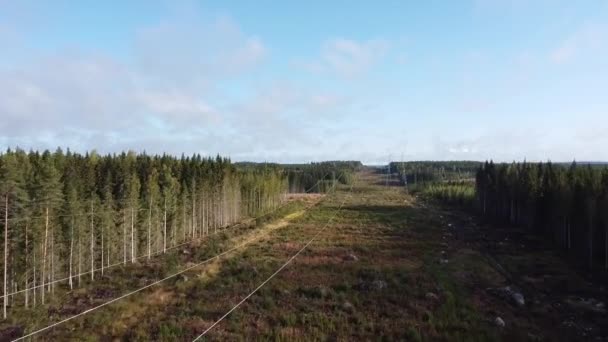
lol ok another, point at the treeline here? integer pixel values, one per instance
(319, 177)
(70, 216)
(568, 204)
(421, 172)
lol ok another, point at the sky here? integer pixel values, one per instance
(301, 81)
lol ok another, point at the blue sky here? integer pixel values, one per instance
(300, 81)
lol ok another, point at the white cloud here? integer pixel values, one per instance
(586, 42)
(193, 53)
(88, 100)
(346, 57)
(177, 105)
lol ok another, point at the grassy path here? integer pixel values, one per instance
(372, 274)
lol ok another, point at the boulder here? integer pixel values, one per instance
(499, 322)
(518, 298)
(346, 306)
(431, 296)
(351, 257)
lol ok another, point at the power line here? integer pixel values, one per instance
(146, 255)
(131, 293)
(274, 274)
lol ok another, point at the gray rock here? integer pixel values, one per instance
(431, 296)
(507, 293)
(351, 257)
(379, 284)
(586, 304)
(499, 322)
(518, 298)
(346, 306)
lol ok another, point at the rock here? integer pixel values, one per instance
(366, 285)
(431, 296)
(507, 293)
(518, 298)
(379, 284)
(346, 306)
(589, 304)
(499, 322)
(351, 257)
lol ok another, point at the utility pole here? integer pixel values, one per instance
(388, 169)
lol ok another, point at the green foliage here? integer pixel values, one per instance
(70, 213)
(567, 204)
(422, 172)
(456, 193)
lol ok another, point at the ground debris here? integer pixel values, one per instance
(375, 285)
(10, 333)
(589, 304)
(507, 293)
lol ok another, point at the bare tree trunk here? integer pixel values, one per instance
(34, 269)
(165, 228)
(216, 210)
(5, 250)
(193, 215)
(569, 240)
(149, 226)
(71, 252)
(92, 246)
(591, 243)
(132, 237)
(27, 257)
(124, 237)
(102, 250)
(206, 214)
(52, 271)
(46, 236)
(79, 258)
